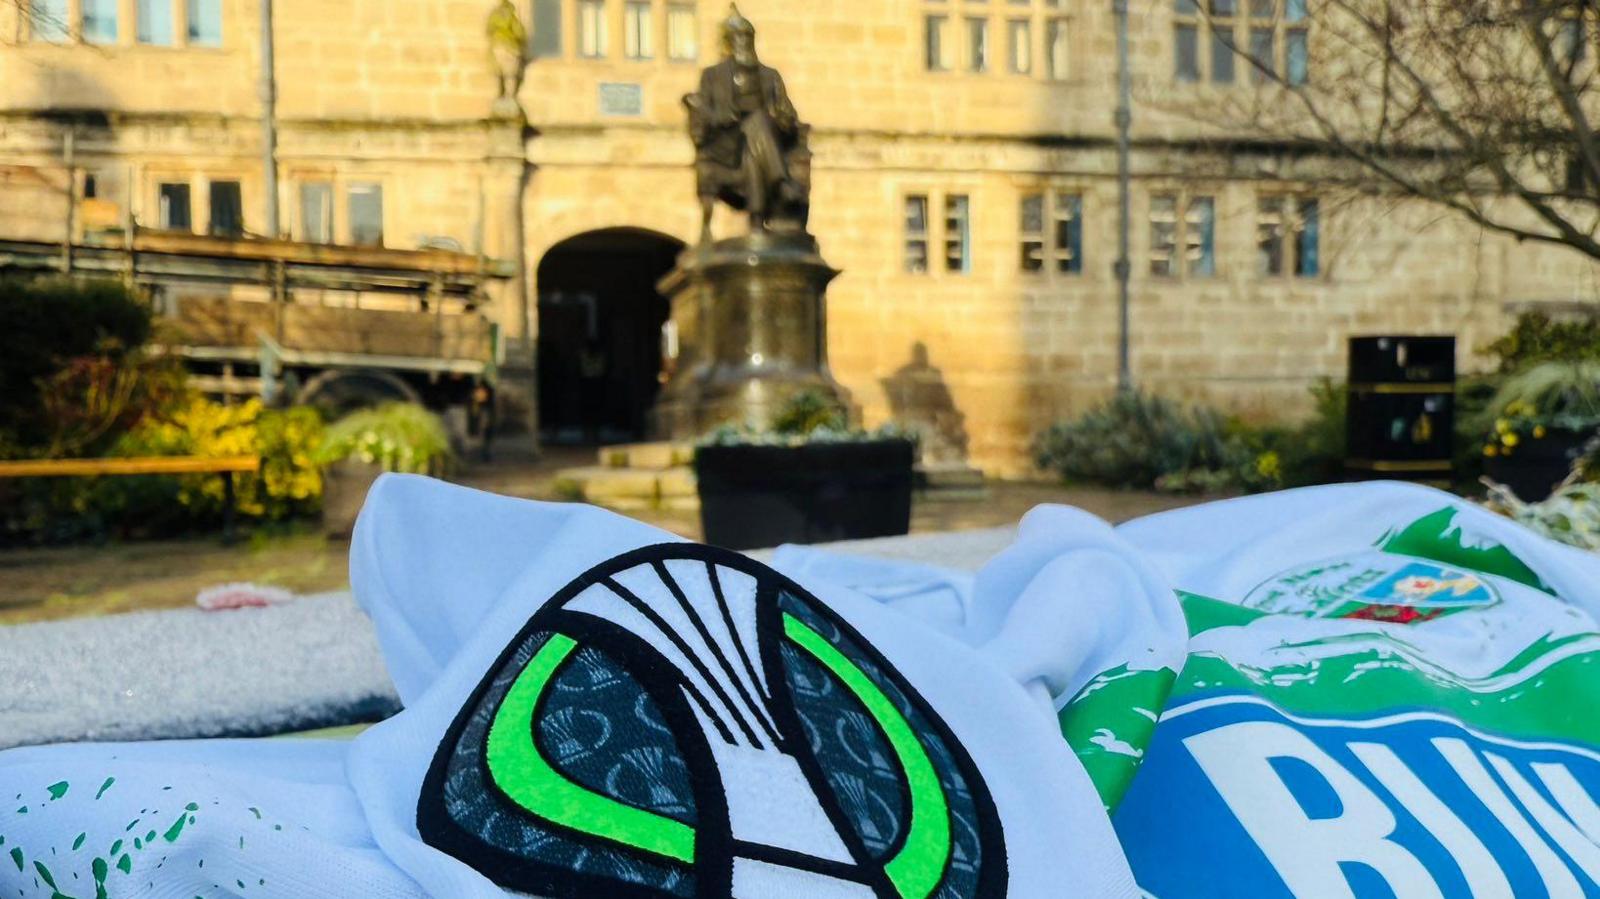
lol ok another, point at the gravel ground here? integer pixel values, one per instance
(307, 664)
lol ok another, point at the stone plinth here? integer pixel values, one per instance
(752, 332)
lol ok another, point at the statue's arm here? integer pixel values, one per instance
(784, 115)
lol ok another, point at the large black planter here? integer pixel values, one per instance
(759, 496)
(1537, 465)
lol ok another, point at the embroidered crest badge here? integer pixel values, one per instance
(681, 721)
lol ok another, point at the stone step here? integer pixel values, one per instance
(951, 483)
(630, 488)
(661, 454)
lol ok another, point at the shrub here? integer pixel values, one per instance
(51, 510)
(395, 436)
(808, 411)
(289, 483)
(1537, 338)
(1137, 440)
(1312, 452)
(1570, 515)
(73, 373)
(809, 416)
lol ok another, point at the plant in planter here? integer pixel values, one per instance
(807, 478)
(1537, 424)
(401, 437)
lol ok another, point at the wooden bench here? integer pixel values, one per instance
(226, 466)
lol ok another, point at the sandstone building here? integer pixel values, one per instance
(964, 181)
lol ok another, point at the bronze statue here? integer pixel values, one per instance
(750, 145)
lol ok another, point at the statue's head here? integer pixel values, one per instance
(739, 37)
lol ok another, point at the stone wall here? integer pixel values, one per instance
(401, 92)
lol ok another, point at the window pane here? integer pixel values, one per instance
(1261, 9)
(1163, 235)
(546, 31)
(316, 212)
(1186, 47)
(227, 210)
(934, 29)
(1269, 236)
(1221, 53)
(1069, 233)
(1261, 55)
(366, 215)
(1199, 238)
(1188, 8)
(957, 234)
(1306, 263)
(205, 23)
(1224, 7)
(916, 223)
(917, 256)
(1021, 32)
(1294, 10)
(591, 28)
(637, 31)
(978, 44)
(683, 38)
(49, 21)
(174, 207)
(916, 215)
(1033, 214)
(1296, 62)
(1056, 48)
(154, 22)
(100, 21)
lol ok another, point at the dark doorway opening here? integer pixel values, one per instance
(600, 321)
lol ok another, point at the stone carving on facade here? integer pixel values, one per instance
(750, 146)
(508, 43)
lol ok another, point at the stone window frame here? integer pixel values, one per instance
(340, 181)
(639, 44)
(148, 193)
(1051, 256)
(71, 30)
(1234, 28)
(667, 49)
(1043, 18)
(1185, 198)
(604, 45)
(614, 19)
(1289, 233)
(935, 235)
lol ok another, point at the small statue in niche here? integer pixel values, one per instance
(750, 146)
(508, 42)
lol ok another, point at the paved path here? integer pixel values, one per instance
(307, 664)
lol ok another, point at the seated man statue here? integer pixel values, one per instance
(750, 145)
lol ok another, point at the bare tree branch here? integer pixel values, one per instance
(1483, 107)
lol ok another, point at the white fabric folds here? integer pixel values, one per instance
(596, 708)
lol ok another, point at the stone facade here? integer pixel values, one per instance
(401, 92)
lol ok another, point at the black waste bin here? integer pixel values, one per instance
(1401, 418)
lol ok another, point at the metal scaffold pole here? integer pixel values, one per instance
(269, 125)
(1123, 267)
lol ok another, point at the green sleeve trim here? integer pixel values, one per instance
(918, 868)
(525, 776)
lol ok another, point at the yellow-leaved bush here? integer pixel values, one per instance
(289, 483)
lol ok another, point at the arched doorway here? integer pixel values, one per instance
(600, 320)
